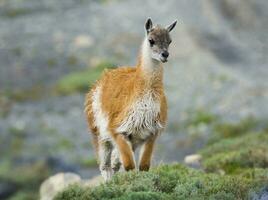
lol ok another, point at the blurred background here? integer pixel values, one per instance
(52, 51)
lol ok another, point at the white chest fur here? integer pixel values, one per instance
(142, 119)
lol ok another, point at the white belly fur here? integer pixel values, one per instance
(142, 121)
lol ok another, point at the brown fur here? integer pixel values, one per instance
(121, 88)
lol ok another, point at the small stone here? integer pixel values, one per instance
(57, 183)
(193, 159)
(83, 41)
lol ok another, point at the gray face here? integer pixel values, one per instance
(159, 40)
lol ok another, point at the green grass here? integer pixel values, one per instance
(201, 116)
(65, 143)
(233, 147)
(90, 162)
(235, 166)
(74, 82)
(193, 120)
(232, 154)
(81, 81)
(232, 130)
(170, 182)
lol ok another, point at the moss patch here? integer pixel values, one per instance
(91, 162)
(170, 182)
(235, 147)
(81, 81)
(232, 154)
(201, 116)
(71, 83)
(231, 130)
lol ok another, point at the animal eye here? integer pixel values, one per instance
(151, 41)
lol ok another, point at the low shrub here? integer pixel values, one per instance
(231, 154)
(170, 182)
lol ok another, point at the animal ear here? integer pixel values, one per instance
(148, 25)
(171, 26)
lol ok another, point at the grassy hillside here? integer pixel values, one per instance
(234, 166)
(172, 182)
(236, 147)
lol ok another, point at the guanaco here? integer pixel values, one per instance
(127, 107)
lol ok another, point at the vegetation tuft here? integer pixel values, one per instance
(171, 182)
(235, 167)
(81, 81)
(232, 130)
(233, 154)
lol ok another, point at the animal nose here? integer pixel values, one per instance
(165, 54)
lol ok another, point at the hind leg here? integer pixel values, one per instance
(115, 160)
(105, 151)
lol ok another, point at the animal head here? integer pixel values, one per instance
(158, 39)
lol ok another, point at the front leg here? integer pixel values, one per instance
(126, 153)
(146, 154)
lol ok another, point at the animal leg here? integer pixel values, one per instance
(115, 160)
(126, 153)
(146, 154)
(105, 151)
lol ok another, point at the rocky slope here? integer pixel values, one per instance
(218, 69)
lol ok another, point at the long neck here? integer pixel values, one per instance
(149, 67)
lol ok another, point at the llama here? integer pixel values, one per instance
(127, 107)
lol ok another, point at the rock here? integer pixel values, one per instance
(193, 160)
(56, 183)
(83, 41)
